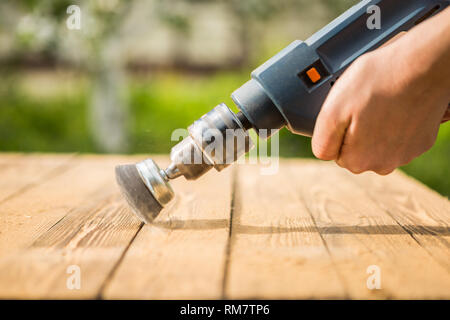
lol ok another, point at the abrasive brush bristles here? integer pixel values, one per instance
(138, 196)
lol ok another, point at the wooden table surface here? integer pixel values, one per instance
(311, 231)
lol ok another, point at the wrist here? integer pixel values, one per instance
(424, 55)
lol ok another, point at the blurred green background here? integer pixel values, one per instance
(137, 70)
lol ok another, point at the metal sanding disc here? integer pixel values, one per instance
(138, 196)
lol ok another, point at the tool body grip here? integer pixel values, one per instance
(290, 88)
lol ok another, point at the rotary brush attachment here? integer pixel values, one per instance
(216, 140)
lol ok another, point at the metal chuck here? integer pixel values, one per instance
(216, 140)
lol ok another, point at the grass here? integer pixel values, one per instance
(58, 122)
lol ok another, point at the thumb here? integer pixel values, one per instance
(330, 128)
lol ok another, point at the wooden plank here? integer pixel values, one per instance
(358, 234)
(25, 217)
(76, 218)
(21, 172)
(182, 255)
(421, 212)
(92, 238)
(276, 250)
(8, 157)
(310, 231)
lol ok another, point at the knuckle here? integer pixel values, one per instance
(356, 170)
(340, 164)
(321, 151)
(354, 166)
(383, 169)
(384, 172)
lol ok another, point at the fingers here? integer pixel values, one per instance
(330, 129)
(366, 122)
(357, 165)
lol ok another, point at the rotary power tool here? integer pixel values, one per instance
(286, 91)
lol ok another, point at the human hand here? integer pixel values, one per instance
(387, 107)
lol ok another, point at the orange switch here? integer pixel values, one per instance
(313, 75)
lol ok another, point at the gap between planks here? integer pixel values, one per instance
(348, 182)
(276, 250)
(233, 223)
(182, 253)
(234, 212)
(235, 197)
(325, 244)
(407, 231)
(234, 209)
(61, 245)
(110, 276)
(412, 230)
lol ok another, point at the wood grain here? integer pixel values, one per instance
(182, 254)
(76, 218)
(276, 249)
(358, 234)
(421, 212)
(310, 231)
(19, 172)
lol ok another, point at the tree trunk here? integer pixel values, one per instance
(109, 112)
